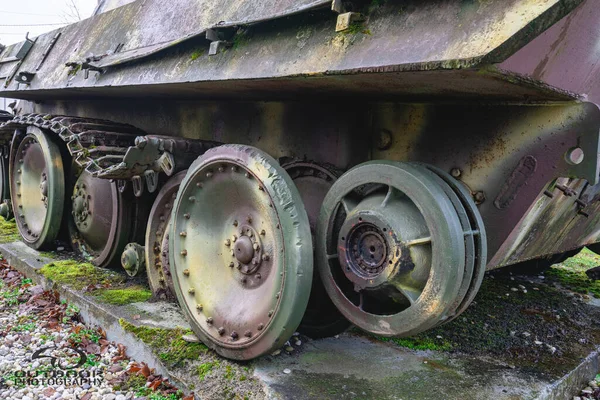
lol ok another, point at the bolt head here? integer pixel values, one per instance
(199, 307)
(248, 334)
(456, 172)
(234, 335)
(221, 331)
(260, 327)
(209, 320)
(265, 257)
(227, 242)
(191, 291)
(186, 272)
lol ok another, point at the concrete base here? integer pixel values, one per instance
(347, 367)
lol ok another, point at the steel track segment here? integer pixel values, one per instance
(313, 180)
(427, 201)
(243, 270)
(38, 185)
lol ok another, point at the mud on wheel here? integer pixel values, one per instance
(240, 251)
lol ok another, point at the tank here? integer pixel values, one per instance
(275, 166)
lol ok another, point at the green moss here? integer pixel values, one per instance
(74, 70)
(79, 275)
(168, 343)
(8, 231)
(196, 54)
(204, 369)
(133, 294)
(355, 28)
(420, 343)
(571, 273)
(133, 383)
(48, 254)
(241, 39)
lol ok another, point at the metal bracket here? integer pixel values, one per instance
(25, 77)
(138, 185)
(218, 46)
(345, 20)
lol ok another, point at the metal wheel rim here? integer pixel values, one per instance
(102, 239)
(443, 284)
(156, 249)
(322, 318)
(479, 236)
(4, 180)
(469, 240)
(263, 318)
(39, 187)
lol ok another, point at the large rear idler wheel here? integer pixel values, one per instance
(391, 248)
(101, 219)
(157, 239)
(313, 181)
(38, 186)
(240, 251)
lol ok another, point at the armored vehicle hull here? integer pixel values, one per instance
(227, 149)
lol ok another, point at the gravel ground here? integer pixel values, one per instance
(591, 391)
(76, 362)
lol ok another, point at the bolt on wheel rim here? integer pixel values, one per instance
(390, 248)
(38, 185)
(240, 251)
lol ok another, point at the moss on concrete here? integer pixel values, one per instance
(168, 343)
(132, 294)
(205, 368)
(571, 273)
(420, 343)
(8, 231)
(79, 275)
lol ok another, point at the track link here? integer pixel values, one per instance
(111, 150)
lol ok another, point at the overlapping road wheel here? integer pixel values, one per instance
(313, 181)
(391, 248)
(240, 251)
(38, 186)
(101, 219)
(157, 239)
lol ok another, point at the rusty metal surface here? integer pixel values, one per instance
(566, 55)
(487, 143)
(304, 49)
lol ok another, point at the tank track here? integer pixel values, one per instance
(111, 150)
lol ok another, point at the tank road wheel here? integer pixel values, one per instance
(475, 237)
(391, 248)
(240, 251)
(38, 184)
(100, 221)
(157, 239)
(313, 181)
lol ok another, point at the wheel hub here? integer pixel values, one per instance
(368, 250)
(247, 250)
